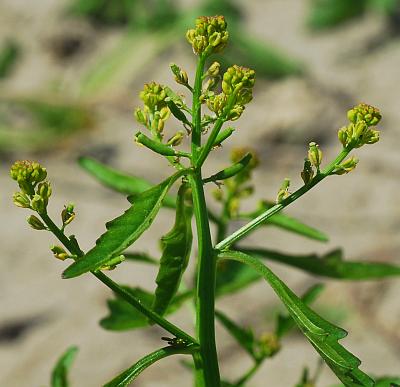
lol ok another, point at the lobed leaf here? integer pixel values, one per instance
(323, 335)
(176, 245)
(59, 375)
(119, 181)
(124, 230)
(285, 323)
(287, 223)
(329, 265)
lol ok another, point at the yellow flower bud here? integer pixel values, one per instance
(59, 252)
(363, 112)
(36, 223)
(314, 154)
(21, 199)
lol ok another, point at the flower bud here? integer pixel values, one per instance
(209, 35)
(283, 192)
(181, 76)
(140, 116)
(176, 139)
(44, 190)
(21, 199)
(213, 70)
(67, 214)
(36, 223)
(153, 96)
(269, 344)
(28, 174)
(346, 166)
(59, 252)
(314, 155)
(363, 112)
(39, 204)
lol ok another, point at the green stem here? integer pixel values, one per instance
(205, 289)
(243, 231)
(136, 303)
(246, 377)
(196, 107)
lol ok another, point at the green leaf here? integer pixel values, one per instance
(59, 375)
(244, 337)
(323, 335)
(383, 382)
(126, 377)
(233, 276)
(287, 223)
(141, 257)
(329, 265)
(119, 181)
(176, 245)
(123, 316)
(285, 323)
(329, 13)
(124, 230)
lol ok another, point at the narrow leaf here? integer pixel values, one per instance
(330, 265)
(126, 377)
(123, 317)
(176, 245)
(59, 375)
(140, 257)
(287, 223)
(323, 335)
(285, 323)
(124, 230)
(119, 181)
(231, 170)
(244, 337)
(233, 276)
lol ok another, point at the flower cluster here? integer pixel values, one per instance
(359, 132)
(35, 192)
(209, 35)
(155, 111)
(237, 87)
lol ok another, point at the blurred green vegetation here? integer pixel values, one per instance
(9, 55)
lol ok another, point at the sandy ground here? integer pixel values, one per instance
(42, 315)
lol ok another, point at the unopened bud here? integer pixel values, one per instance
(346, 166)
(283, 192)
(213, 70)
(68, 214)
(44, 190)
(36, 223)
(112, 264)
(314, 154)
(269, 344)
(39, 204)
(21, 199)
(363, 112)
(59, 252)
(140, 116)
(176, 139)
(181, 76)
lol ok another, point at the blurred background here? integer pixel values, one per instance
(70, 73)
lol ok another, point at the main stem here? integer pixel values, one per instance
(207, 373)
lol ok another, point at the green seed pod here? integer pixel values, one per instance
(155, 146)
(223, 135)
(230, 171)
(36, 223)
(21, 199)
